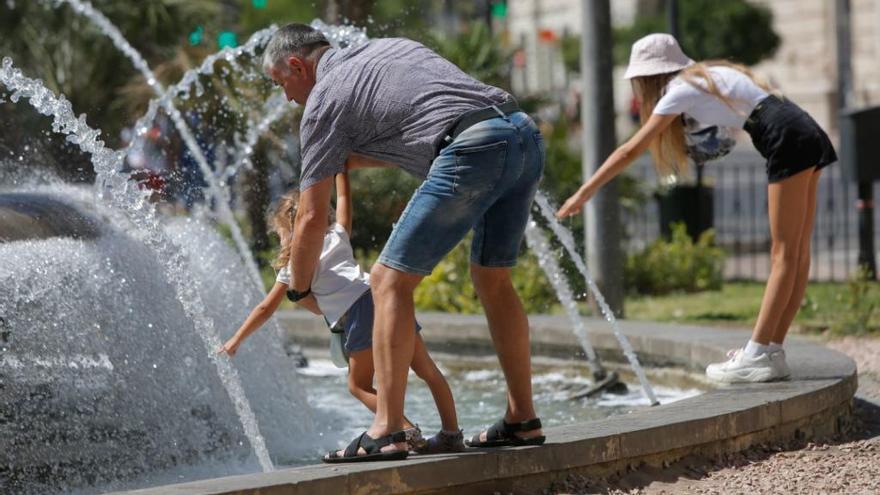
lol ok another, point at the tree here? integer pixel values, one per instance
(478, 52)
(72, 57)
(68, 53)
(736, 30)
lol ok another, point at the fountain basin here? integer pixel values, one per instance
(36, 216)
(725, 419)
(103, 381)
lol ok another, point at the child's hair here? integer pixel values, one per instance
(669, 148)
(281, 222)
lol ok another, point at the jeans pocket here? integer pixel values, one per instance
(478, 168)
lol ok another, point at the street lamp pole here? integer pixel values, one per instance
(602, 213)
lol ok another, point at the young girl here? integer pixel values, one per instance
(669, 85)
(341, 293)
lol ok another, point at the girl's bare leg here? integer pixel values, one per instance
(803, 265)
(787, 208)
(360, 380)
(427, 370)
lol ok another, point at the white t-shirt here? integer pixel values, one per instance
(338, 281)
(682, 97)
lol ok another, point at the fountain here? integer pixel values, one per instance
(214, 188)
(564, 235)
(132, 389)
(131, 204)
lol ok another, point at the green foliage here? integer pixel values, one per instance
(72, 57)
(734, 29)
(378, 198)
(737, 303)
(859, 308)
(676, 265)
(449, 286)
(562, 168)
(849, 309)
(837, 308)
(478, 52)
(737, 30)
(563, 176)
(571, 52)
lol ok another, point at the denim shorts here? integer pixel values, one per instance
(358, 324)
(485, 180)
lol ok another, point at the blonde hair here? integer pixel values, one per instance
(281, 222)
(669, 149)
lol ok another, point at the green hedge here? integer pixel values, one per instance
(449, 288)
(676, 265)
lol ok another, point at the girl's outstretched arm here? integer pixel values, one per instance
(343, 202)
(255, 320)
(616, 163)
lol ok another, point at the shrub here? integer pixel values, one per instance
(449, 288)
(857, 302)
(676, 265)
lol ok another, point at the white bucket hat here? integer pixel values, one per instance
(656, 54)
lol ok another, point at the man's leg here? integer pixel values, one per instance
(509, 327)
(393, 345)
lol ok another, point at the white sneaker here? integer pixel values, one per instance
(743, 369)
(783, 372)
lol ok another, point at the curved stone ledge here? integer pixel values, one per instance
(725, 419)
(25, 216)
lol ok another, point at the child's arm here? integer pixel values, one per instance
(343, 202)
(255, 320)
(616, 163)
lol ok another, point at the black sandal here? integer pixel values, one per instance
(372, 447)
(502, 434)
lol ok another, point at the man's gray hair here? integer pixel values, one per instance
(293, 39)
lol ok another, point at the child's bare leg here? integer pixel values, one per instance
(360, 380)
(424, 367)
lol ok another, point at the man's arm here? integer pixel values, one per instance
(343, 202)
(361, 161)
(308, 232)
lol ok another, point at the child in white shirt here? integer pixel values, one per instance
(340, 291)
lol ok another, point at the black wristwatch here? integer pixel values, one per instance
(295, 296)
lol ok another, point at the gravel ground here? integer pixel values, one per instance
(849, 464)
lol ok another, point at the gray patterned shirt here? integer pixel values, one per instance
(391, 99)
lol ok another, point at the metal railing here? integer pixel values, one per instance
(741, 224)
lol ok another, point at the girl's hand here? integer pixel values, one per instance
(573, 205)
(230, 347)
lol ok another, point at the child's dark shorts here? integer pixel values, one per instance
(358, 324)
(788, 138)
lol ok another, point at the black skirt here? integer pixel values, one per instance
(788, 138)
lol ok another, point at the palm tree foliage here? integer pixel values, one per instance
(72, 57)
